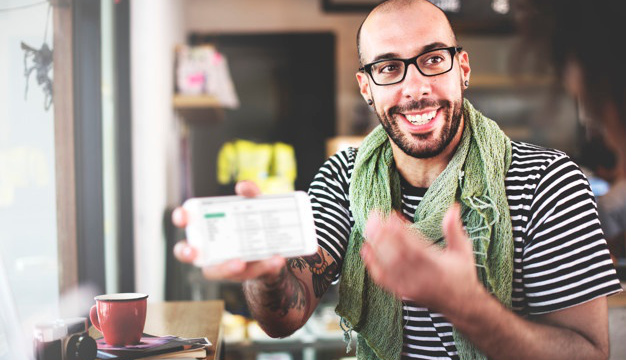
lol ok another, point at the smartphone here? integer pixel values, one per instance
(235, 227)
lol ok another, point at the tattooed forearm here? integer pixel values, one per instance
(283, 303)
(280, 304)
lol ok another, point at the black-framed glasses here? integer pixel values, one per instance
(430, 63)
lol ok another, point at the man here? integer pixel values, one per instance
(529, 283)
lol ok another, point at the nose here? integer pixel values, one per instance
(415, 85)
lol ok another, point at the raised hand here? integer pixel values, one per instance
(409, 266)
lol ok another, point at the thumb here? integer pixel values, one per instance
(247, 188)
(185, 252)
(453, 231)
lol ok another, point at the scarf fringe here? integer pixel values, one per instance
(347, 333)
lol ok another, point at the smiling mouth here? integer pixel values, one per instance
(421, 119)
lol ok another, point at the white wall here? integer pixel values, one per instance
(156, 26)
(242, 16)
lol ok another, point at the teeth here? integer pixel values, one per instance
(421, 119)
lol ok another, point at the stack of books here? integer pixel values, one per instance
(156, 347)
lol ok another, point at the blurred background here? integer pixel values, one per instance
(113, 112)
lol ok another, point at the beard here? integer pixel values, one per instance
(419, 145)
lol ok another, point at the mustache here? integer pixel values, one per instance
(417, 105)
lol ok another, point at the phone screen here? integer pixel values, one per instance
(250, 228)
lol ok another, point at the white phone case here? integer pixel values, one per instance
(235, 227)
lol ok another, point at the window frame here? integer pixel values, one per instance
(78, 145)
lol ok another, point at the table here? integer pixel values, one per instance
(185, 319)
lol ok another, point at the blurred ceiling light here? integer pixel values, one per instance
(501, 6)
(448, 5)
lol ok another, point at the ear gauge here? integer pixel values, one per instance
(466, 83)
(370, 102)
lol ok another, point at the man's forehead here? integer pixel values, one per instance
(404, 31)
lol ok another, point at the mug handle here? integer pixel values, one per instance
(93, 315)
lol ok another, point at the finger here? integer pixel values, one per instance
(268, 267)
(407, 238)
(370, 261)
(247, 188)
(373, 225)
(228, 270)
(179, 217)
(453, 230)
(397, 220)
(379, 272)
(184, 252)
(386, 246)
(239, 270)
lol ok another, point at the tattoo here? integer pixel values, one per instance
(296, 263)
(285, 293)
(322, 272)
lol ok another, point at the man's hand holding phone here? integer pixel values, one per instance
(235, 269)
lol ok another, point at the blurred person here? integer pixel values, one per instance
(612, 211)
(578, 39)
(529, 282)
(609, 187)
(600, 159)
(598, 163)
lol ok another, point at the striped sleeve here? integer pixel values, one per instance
(329, 199)
(565, 258)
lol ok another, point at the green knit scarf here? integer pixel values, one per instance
(474, 178)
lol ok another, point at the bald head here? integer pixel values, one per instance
(390, 10)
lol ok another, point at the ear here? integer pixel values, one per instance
(364, 85)
(464, 65)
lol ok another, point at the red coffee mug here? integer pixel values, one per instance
(120, 317)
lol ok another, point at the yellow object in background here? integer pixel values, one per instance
(337, 143)
(235, 327)
(271, 166)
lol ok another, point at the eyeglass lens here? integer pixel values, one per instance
(431, 63)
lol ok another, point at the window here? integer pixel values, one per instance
(28, 216)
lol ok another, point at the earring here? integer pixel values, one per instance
(370, 102)
(466, 83)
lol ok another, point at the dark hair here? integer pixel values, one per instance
(589, 33)
(595, 153)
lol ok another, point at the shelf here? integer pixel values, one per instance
(509, 81)
(195, 101)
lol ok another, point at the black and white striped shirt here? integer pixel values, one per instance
(561, 258)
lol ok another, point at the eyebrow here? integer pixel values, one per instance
(426, 48)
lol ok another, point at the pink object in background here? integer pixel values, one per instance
(120, 317)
